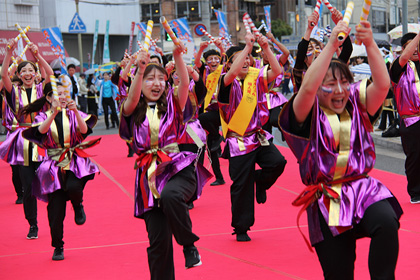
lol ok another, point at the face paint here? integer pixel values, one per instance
(308, 54)
(326, 89)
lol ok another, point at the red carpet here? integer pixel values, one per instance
(112, 244)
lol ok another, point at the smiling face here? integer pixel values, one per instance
(154, 84)
(213, 61)
(27, 75)
(334, 91)
(245, 68)
(415, 55)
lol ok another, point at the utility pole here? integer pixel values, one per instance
(205, 14)
(404, 17)
(301, 13)
(79, 40)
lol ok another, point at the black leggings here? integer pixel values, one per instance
(337, 254)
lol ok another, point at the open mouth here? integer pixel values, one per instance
(337, 102)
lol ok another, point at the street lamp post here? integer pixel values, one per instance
(79, 40)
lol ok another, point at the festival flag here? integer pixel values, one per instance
(142, 28)
(223, 28)
(54, 38)
(182, 30)
(267, 12)
(95, 41)
(106, 57)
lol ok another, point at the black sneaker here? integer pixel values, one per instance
(58, 254)
(415, 200)
(79, 215)
(33, 232)
(218, 182)
(243, 237)
(192, 257)
(19, 200)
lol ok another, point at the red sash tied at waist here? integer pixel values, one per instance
(312, 192)
(148, 160)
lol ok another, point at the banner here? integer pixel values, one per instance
(106, 58)
(223, 28)
(130, 43)
(54, 38)
(95, 40)
(267, 12)
(182, 30)
(142, 29)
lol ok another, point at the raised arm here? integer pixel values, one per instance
(378, 89)
(42, 63)
(81, 124)
(197, 59)
(409, 50)
(181, 70)
(134, 93)
(275, 68)
(236, 66)
(305, 98)
(285, 52)
(124, 74)
(4, 69)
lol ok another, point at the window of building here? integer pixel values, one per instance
(215, 5)
(150, 12)
(190, 10)
(378, 20)
(248, 7)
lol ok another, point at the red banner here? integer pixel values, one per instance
(35, 37)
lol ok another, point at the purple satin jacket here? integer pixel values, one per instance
(48, 174)
(259, 117)
(317, 157)
(171, 128)
(407, 96)
(15, 150)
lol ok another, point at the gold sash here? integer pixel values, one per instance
(22, 95)
(416, 76)
(243, 114)
(154, 122)
(341, 129)
(211, 85)
(66, 132)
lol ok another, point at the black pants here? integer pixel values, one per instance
(384, 115)
(27, 174)
(16, 180)
(411, 145)
(171, 218)
(337, 254)
(72, 189)
(273, 121)
(82, 103)
(210, 121)
(108, 101)
(244, 176)
(91, 104)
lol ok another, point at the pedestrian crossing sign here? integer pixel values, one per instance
(77, 25)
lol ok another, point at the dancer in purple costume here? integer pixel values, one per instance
(152, 121)
(405, 78)
(246, 142)
(327, 125)
(65, 170)
(16, 150)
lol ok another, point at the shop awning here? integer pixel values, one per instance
(35, 37)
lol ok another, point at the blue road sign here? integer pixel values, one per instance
(77, 25)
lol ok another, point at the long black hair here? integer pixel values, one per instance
(162, 103)
(38, 104)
